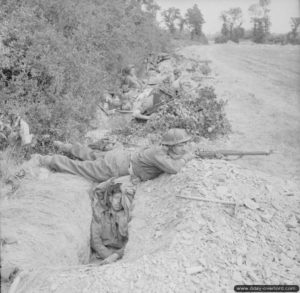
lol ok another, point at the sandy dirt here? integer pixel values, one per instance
(262, 86)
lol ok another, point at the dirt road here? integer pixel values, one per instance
(262, 86)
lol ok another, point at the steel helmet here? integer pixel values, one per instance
(175, 136)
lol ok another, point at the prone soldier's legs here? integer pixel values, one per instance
(79, 151)
(96, 170)
(85, 153)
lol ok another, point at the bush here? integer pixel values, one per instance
(202, 116)
(276, 39)
(221, 39)
(59, 56)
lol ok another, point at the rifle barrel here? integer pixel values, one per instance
(234, 153)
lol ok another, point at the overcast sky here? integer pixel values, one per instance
(280, 14)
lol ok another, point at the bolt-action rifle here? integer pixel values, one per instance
(228, 153)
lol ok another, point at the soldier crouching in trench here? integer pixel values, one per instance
(143, 164)
(112, 205)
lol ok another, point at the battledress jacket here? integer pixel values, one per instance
(147, 163)
(109, 229)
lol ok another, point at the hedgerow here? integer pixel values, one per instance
(202, 115)
(57, 58)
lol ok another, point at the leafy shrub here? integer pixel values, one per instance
(221, 39)
(57, 58)
(276, 39)
(202, 115)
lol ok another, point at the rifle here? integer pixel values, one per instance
(227, 153)
(102, 109)
(124, 111)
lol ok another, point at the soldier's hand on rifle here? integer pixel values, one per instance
(197, 153)
(111, 112)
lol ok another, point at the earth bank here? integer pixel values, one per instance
(181, 245)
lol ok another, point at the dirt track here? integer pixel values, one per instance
(262, 86)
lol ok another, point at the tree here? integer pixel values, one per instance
(150, 6)
(182, 23)
(232, 22)
(225, 29)
(261, 20)
(293, 34)
(195, 20)
(170, 16)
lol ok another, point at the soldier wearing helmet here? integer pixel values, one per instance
(130, 80)
(142, 164)
(111, 205)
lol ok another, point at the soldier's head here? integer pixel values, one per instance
(115, 197)
(14, 119)
(129, 70)
(176, 139)
(132, 69)
(115, 201)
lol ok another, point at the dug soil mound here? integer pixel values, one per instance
(45, 223)
(186, 245)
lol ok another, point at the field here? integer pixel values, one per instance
(262, 86)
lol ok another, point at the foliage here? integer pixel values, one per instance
(293, 35)
(195, 20)
(202, 115)
(221, 39)
(232, 22)
(261, 20)
(182, 23)
(57, 58)
(277, 39)
(170, 16)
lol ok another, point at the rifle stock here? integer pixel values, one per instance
(226, 153)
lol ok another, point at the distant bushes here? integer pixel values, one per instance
(57, 58)
(221, 39)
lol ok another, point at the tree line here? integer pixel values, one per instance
(193, 20)
(232, 24)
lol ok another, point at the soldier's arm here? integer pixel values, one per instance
(138, 115)
(170, 165)
(100, 188)
(114, 256)
(96, 241)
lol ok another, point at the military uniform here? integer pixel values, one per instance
(147, 102)
(109, 228)
(95, 165)
(145, 164)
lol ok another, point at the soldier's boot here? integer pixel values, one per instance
(64, 147)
